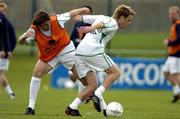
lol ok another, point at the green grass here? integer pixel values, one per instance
(138, 104)
(138, 45)
(138, 41)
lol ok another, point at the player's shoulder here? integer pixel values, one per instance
(177, 24)
(109, 20)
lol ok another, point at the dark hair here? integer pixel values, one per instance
(40, 17)
(89, 7)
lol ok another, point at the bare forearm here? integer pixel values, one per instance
(97, 26)
(80, 11)
(91, 28)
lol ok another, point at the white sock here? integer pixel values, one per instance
(99, 91)
(103, 103)
(80, 86)
(176, 90)
(75, 103)
(34, 89)
(8, 89)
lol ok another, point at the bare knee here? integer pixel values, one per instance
(3, 81)
(38, 73)
(115, 73)
(118, 73)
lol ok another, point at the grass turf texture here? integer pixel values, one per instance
(51, 103)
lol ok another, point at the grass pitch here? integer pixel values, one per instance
(51, 103)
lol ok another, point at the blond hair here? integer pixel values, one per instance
(4, 5)
(175, 8)
(123, 10)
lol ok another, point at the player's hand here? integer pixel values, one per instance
(28, 34)
(166, 41)
(22, 40)
(2, 54)
(84, 29)
(81, 35)
(9, 55)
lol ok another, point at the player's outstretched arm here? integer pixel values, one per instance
(27, 37)
(91, 28)
(75, 14)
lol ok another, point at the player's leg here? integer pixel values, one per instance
(91, 81)
(173, 78)
(178, 79)
(170, 70)
(80, 84)
(41, 68)
(104, 63)
(178, 71)
(173, 81)
(4, 65)
(67, 59)
(5, 84)
(112, 75)
(103, 106)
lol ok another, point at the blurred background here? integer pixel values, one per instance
(151, 15)
(143, 38)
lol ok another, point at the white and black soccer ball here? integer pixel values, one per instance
(114, 109)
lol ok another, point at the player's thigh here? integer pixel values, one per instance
(81, 67)
(67, 60)
(175, 65)
(100, 62)
(167, 65)
(41, 68)
(65, 57)
(91, 79)
(174, 76)
(113, 69)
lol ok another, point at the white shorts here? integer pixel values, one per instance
(95, 63)
(172, 65)
(4, 64)
(65, 57)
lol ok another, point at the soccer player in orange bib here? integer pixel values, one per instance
(171, 68)
(54, 44)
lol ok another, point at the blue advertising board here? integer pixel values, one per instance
(137, 73)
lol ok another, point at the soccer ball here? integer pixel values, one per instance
(114, 109)
(69, 84)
